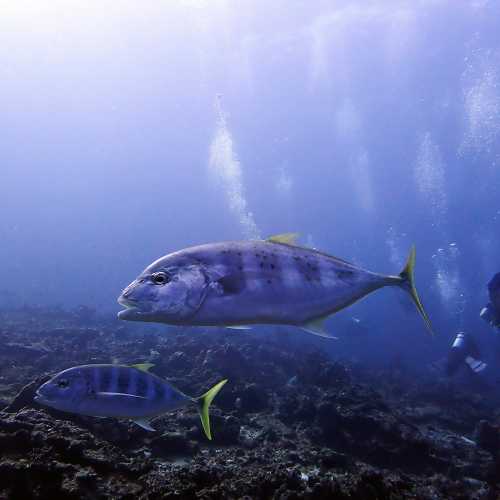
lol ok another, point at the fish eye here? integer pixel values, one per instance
(160, 278)
(63, 383)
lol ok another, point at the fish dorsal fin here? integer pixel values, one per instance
(291, 240)
(286, 238)
(144, 367)
(317, 327)
(145, 424)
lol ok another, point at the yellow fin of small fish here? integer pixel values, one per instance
(144, 423)
(286, 238)
(204, 403)
(144, 367)
(317, 327)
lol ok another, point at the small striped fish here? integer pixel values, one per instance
(239, 283)
(120, 391)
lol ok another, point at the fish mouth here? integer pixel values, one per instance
(131, 310)
(40, 398)
(128, 303)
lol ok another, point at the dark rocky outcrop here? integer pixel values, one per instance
(291, 423)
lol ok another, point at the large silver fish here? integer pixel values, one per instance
(120, 391)
(239, 283)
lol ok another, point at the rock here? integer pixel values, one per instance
(173, 443)
(179, 361)
(226, 429)
(253, 398)
(331, 459)
(24, 352)
(337, 430)
(25, 396)
(488, 436)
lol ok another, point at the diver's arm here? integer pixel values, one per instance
(488, 315)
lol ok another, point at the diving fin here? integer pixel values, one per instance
(145, 424)
(204, 402)
(408, 284)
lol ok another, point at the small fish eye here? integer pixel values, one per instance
(63, 383)
(160, 278)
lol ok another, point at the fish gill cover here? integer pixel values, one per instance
(132, 130)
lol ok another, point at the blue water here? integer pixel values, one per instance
(133, 129)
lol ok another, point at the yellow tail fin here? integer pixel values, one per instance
(204, 405)
(408, 284)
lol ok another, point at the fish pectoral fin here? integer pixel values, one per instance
(119, 395)
(317, 327)
(239, 327)
(145, 424)
(144, 367)
(286, 238)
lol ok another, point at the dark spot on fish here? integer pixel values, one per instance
(232, 284)
(273, 266)
(344, 274)
(262, 265)
(269, 282)
(239, 253)
(240, 268)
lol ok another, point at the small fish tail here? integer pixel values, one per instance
(204, 403)
(407, 283)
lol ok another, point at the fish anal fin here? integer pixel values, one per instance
(316, 326)
(144, 367)
(286, 238)
(144, 423)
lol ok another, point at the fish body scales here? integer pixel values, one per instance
(123, 391)
(267, 282)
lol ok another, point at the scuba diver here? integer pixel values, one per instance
(464, 349)
(491, 312)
